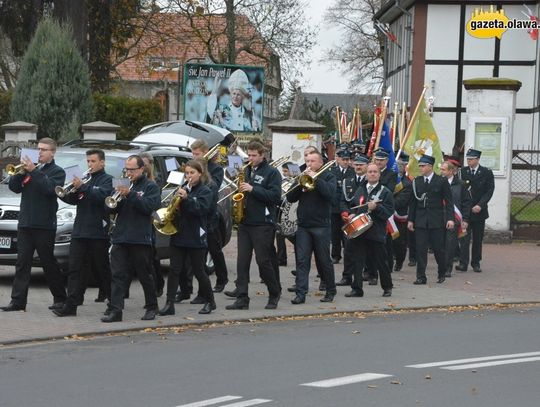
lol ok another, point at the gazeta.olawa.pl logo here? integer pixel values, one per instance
(494, 23)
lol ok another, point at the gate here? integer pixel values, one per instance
(525, 197)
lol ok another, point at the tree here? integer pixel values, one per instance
(53, 89)
(360, 53)
(316, 113)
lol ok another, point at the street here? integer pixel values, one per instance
(482, 357)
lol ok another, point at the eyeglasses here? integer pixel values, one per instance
(45, 149)
(132, 169)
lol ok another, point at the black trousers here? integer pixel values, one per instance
(184, 259)
(281, 249)
(215, 244)
(411, 243)
(123, 257)
(42, 241)
(155, 270)
(85, 256)
(400, 244)
(363, 250)
(389, 247)
(450, 244)
(476, 231)
(425, 239)
(348, 261)
(338, 237)
(261, 240)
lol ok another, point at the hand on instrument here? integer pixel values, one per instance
(245, 187)
(182, 193)
(410, 226)
(123, 190)
(345, 216)
(310, 173)
(29, 166)
(372, 205)
(77, 182)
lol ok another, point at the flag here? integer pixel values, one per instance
(386, 144)
(422, 140)
(535, 23)
(373, 140)
(344, 127)
(459, 219)
(385, 30)
(391, 228)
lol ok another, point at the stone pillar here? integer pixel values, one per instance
(100, 131)
(491, 108)
(20, 132)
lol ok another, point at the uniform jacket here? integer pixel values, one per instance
(481, 186)
(261, 203)
(315, 207)
(436, 207)
(217, 173)
(402, 199)
(92, 221)
(192, 217)
(134, 221)
(389, 179)
(340, 176)
(38, 200)
(348, 189)
(461, 197)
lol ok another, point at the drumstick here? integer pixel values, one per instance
(360, 206)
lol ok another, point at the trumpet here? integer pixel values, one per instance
(112, 201)
(69, 188)
(12, 169)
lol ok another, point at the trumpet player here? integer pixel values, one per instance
(132, 240)
(262, 194)
(188, 246)
(90, 236)
(37, 224)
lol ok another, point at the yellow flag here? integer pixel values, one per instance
(422, 140)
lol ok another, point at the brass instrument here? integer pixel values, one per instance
(68, 188)
(278, 162)
(230, 183)
(12, 169)
(307, 182)
(163, 218)
(238, 208)
(112, 201)
(210, 154)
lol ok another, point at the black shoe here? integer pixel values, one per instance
(180, 296)
(100, 298)
(412, 263)
(168, 309)
(272, 302)
(344, 282)
(448, 273)
(232, 294)
(112, 316)
(420, 281)
(218, 288)
(56, 305)
(355, 293)
(327, 298)
(477, 269)
(335, 260)
(108, 310)
(14, 307)
(461, 267)
(65, 311)
(398, 267)
(149, 315)
(198, 300)
(293, 272)
(240, 303)
(387, 293)
(282, 263)
(292, 289)
(322, 286)
(208, 308)
(365, 277)
(372, 281)
(440, 280)
(298, 300)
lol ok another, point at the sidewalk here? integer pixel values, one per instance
(510, 275)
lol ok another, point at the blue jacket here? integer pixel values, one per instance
(38, 201)
(192, 217)
(134, 221)
(92, 221)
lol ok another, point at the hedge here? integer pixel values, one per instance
(5, 100)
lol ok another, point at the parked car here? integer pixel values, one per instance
(116, 153)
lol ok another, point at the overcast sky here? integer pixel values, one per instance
(321, 78)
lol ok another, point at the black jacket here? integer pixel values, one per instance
(402, 198)
(217, 173)
(388, 179)
(134, 221)
(261, 203)
(437, 206)
(38, 200)
(92, 221)
(481, 187)
(336, 170)
(315, 207)
(461, 197)
(191, 218)
(380, 215)
(348, 189)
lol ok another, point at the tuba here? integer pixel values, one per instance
(163, 218)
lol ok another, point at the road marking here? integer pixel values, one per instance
(341, 381)
(482, 359)
(247, 403)
(210, 402)
(487, 364)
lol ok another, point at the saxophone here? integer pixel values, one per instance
(238, 210)
(164, 217)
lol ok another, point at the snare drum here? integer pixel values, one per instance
(357, 225)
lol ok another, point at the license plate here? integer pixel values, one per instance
(5, 242)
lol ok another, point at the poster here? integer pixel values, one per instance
(489, 136)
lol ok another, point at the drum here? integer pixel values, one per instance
(287, 220)
(357, 225)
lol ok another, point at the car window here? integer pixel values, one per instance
(113, 165)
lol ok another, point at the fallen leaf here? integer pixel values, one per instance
(468, 283)
(189, 318)
(355, 332)
(428, 377)
(395, 382)
(372, 386)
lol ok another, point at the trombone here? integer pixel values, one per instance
(69, 188)
(112, 201)
(210, 154)
(306, 181)
(280, 161)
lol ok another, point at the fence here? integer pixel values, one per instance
(525, 203)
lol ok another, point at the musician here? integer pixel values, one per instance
(37, 225)
(189, 245)
(431, 212)
(281, 247)
(313, 234)
(90, 236)
(215, 241)
(377, 200)
(462, 202)
(481, 184)
(341, 171)
(349, 187)
(132, 240)
(402, 197)
(262, 194)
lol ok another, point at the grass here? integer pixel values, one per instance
(531, 213)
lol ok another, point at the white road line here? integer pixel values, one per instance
(341, 381)
(486, 364)
(482, 359)
(247, 403)
(210, 402)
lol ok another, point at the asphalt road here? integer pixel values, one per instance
(293, 363)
